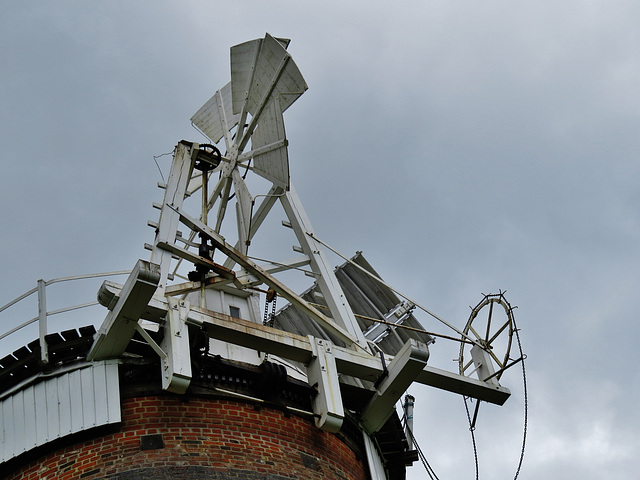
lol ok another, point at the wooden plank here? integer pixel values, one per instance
(402, 371)
(76, 404)
(87, 397)
(298, 348)
(243, 60)
(41, 413)
(7, 446)
(113, 391)
(88, 331)
(8, 361)
(30, 434)
(58, 406)
(198, 260)
(52, 422)
(62, 390)
(461, 385)
(70, 334)
(18, 421)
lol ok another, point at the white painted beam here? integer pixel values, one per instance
(176, 366)
(324, 274)
(119, 325)
(402, 372)
(298, 348)
(179, 177)
(322, 373)
(467, 386)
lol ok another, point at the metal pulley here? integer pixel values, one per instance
(207, 158)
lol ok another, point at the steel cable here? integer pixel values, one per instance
(421, 455)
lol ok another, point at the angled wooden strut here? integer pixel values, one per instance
(120, 323)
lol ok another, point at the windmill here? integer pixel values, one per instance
(348, 345)
(246, 118)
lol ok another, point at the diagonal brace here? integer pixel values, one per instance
(284, 291)
(119, 325)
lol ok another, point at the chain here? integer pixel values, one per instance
(473, 435)
(526, 401)
(272, 296)
(273, 310)
(423, 459)
(266, 313)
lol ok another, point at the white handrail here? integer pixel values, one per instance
(43, 314)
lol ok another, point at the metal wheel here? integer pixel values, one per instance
(493, 331)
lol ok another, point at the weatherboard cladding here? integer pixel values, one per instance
(62, 405)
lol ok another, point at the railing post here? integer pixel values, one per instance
(42, 320)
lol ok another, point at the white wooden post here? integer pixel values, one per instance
(42, 320)
(179, 177)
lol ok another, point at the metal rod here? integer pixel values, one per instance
(68, 309)
(42, 304)
(21, 297)
(399, 325)
(475, 416)
(260, 400)
(498, 372)
(28, 322)
(204, 218)
(89, 275)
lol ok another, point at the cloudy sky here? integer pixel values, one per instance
(466, 147)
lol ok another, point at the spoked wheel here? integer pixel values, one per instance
(494, 333)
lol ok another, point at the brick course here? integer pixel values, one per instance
(201, 439)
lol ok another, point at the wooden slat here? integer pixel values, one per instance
(70, 334)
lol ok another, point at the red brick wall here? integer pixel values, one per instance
(201, 439)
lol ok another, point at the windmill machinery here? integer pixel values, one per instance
(186, 368)
(246, 116)
(341, 338)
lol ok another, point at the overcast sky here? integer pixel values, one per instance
(466, 147)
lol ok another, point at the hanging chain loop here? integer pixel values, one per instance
(272, 297)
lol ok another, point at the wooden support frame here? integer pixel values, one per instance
(265, 277)
(298, 348)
